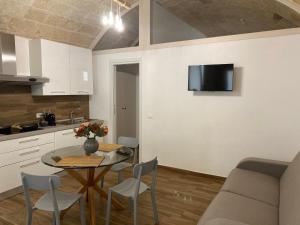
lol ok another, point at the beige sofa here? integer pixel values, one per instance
(258, 192)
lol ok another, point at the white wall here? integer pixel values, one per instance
(211, 132)
(166, 27)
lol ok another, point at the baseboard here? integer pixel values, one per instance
(11, 193)
(182, 171)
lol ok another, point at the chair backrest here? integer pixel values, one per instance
(289, 204)
(132, 143)
(40, 183)
(145, 168)
(129, 142)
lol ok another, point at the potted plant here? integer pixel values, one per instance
(91, 130)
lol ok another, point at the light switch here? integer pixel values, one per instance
(85, 76)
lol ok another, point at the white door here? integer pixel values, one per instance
(126, 104)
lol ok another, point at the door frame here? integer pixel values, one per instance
(113, 111)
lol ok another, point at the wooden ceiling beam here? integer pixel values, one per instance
(122, 4)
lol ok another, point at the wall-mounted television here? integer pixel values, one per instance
(211, 77)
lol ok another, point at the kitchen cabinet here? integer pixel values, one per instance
(69, 68)
(67, 138)
(81, 77)
(10, 177)
(50, 59)
(24, 155)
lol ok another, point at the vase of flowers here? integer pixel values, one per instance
(91, 131)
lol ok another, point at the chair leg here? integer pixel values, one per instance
(57, 218)
(120, 177)
(135, 212)
(154, 206)
(107, 220)
(29, 217)
(82, 211)
(130, 205)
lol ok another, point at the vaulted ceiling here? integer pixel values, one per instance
(227, 17)
(78, 22)
(75, 22)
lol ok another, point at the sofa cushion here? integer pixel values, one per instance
(289, 206)
(254, 185)
(241, 209)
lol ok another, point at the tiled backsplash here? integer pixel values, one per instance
(18, 105)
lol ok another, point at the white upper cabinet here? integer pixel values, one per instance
(68, 68)
(81, 76)
(50, 59)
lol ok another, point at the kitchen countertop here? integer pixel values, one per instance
(43, 130)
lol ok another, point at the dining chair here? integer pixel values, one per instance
(131, 143)
(131, 188)
(53, 201)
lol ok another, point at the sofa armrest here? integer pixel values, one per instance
(223, 221)
(270, 167)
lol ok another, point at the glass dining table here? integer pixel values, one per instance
(89, 182)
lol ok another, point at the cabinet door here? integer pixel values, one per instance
(10, 177)
(67, 138)
(55, 66)
(81, 77)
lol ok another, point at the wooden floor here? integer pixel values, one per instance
(181, 197)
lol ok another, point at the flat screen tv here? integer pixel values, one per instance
(211, 77)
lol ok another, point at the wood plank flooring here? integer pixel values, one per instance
(181, 197)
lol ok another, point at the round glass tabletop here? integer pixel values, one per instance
(111, 158)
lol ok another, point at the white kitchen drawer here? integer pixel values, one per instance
(67, 138)
(8, 146)
(34, 152)
(33, 141)
(10, 177)
(9, 158)
(36, 167)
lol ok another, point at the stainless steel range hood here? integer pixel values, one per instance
(8, 66)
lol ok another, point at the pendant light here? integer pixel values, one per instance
(109, 19)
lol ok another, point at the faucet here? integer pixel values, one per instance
(72, 120)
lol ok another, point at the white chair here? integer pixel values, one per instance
(131, 143)
(132, 187)
(53, 201)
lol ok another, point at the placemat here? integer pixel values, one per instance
(81, 161)
(109, 147)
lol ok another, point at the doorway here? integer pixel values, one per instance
(127, 100)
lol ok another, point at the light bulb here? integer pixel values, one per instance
(105, 20)
(111, 18)
(117, 21)
(120, 26)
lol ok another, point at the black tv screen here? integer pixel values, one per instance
(211, 77)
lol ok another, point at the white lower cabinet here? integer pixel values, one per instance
(24, 155)
(67, 138)
(10, 177)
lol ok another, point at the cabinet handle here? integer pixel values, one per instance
(29, 152)
(83, 92)
(57, 92)
(29, 140)
(67, 133)
(30, 164)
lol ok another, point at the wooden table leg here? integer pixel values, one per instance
(91, 204)
(89, 186)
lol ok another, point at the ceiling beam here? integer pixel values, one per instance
(122, 3)
(291, 4)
